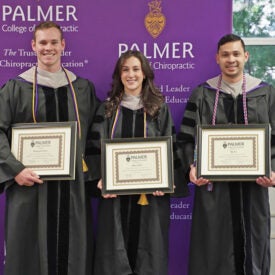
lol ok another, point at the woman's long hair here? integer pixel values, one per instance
(151, 96)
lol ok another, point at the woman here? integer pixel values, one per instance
(132, 238)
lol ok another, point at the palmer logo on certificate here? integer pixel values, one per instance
(233, 152)
(137, 165)
(48, 148)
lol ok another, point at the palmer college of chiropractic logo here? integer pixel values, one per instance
(155, 20)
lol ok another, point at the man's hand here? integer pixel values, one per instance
(28, 178)
(265, 181)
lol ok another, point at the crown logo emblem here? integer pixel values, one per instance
(155, 20)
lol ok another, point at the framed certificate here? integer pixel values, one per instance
(137, 165)
(233, 152)
(47, 148)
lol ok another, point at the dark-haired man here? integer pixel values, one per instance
(231, 221)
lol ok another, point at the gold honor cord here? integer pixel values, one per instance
(35, 105)
(143, 198)
(84, 165)
(34, 91)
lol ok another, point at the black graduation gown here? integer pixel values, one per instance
(133, 239)
(231, 225)
(48, 226)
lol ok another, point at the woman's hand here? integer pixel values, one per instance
(193, 177)
(158, 193)
(106, 196)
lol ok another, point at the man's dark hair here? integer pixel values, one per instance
(230, 38)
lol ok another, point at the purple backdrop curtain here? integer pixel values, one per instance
(181, 48)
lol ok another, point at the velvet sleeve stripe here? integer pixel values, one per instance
(98, 119)
(189, 122)
(186, 137)
(191, 106)
(272, 140)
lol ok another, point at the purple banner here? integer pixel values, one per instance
(178, 37)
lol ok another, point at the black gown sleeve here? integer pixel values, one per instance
(93, 151)
(9, 166)
(168, 129)
(187, 133)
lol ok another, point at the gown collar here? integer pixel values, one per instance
(236, 88)
(131, 102)
(45, 78)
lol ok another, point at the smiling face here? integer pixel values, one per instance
(48, 46)
(132, 76)
(232, 57)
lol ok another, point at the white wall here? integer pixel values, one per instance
(272, 208)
